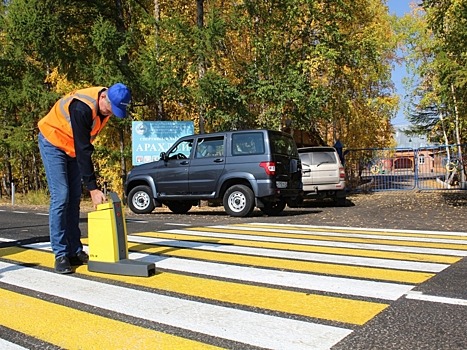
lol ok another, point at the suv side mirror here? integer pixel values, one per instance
(163, 156)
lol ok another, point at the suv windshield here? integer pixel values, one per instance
(282, 144)
(181, 150)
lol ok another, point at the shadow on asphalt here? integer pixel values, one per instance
(17, 246)
(222, 213)
(455, 199)
(22, 227)
(326, 204)
(315, 205)
(22, 242)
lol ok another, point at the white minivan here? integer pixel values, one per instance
(323, 174)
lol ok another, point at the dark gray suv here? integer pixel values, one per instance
(240, 169)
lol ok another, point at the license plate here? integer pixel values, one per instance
(281, 184)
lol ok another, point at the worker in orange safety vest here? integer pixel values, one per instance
(65, 143)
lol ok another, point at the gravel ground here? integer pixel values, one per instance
(434, 211)
(444, 211)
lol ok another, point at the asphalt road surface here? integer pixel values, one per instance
(388, 271)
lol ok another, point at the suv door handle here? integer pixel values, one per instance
(218, 160)
(185, 162)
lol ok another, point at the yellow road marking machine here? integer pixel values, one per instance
(108, 246)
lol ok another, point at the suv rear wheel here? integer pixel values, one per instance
(273, 208)
(140, 200)
(239, 200)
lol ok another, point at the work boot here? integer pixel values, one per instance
(81, 258)
(62, 265)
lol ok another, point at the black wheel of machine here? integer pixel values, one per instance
(140, 200)
(239, 200)
(273, 208)
(178, 207)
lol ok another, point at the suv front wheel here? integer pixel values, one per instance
(140, 200)
(239, 200)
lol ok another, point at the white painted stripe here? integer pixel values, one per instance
(345, 235)
(19, 212)
(137, 221)
(435, 299)
(308, 242)
(295, 255)
(304, 281)
(6, 239)
(43, 214)
(6, 345)
(338, 285)
(238, 325)
(367, 229)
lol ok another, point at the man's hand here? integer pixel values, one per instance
(97, 197)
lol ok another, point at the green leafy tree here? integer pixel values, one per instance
(318, 69)
(436, 41)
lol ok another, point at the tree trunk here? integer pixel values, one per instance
(201, 62)
(35, 173)
(122, 159)
(157, 17)
(458, 139)
(446, 143)
(9, 175)
(23, 177)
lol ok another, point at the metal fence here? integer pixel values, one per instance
(427, 168)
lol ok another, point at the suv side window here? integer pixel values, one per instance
(210, 147)
(182, 150)
(247, 143)
(281, 144)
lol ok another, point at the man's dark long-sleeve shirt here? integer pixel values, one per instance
(81, 124)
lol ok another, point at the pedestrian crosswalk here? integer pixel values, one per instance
(255, 285)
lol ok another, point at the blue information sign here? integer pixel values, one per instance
(149, 139)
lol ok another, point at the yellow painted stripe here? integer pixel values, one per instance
(304, 304)
(69, 328)
(374, 273)
(357, 231)
(335, 238)
(307, 248)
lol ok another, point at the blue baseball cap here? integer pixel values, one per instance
(119, 96)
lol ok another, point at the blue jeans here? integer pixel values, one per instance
(64, 180)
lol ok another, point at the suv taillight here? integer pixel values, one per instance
(269, 167)
(341, 173)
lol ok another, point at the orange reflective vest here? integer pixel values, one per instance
(56, 125)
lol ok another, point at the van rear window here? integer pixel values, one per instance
(318, 158)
